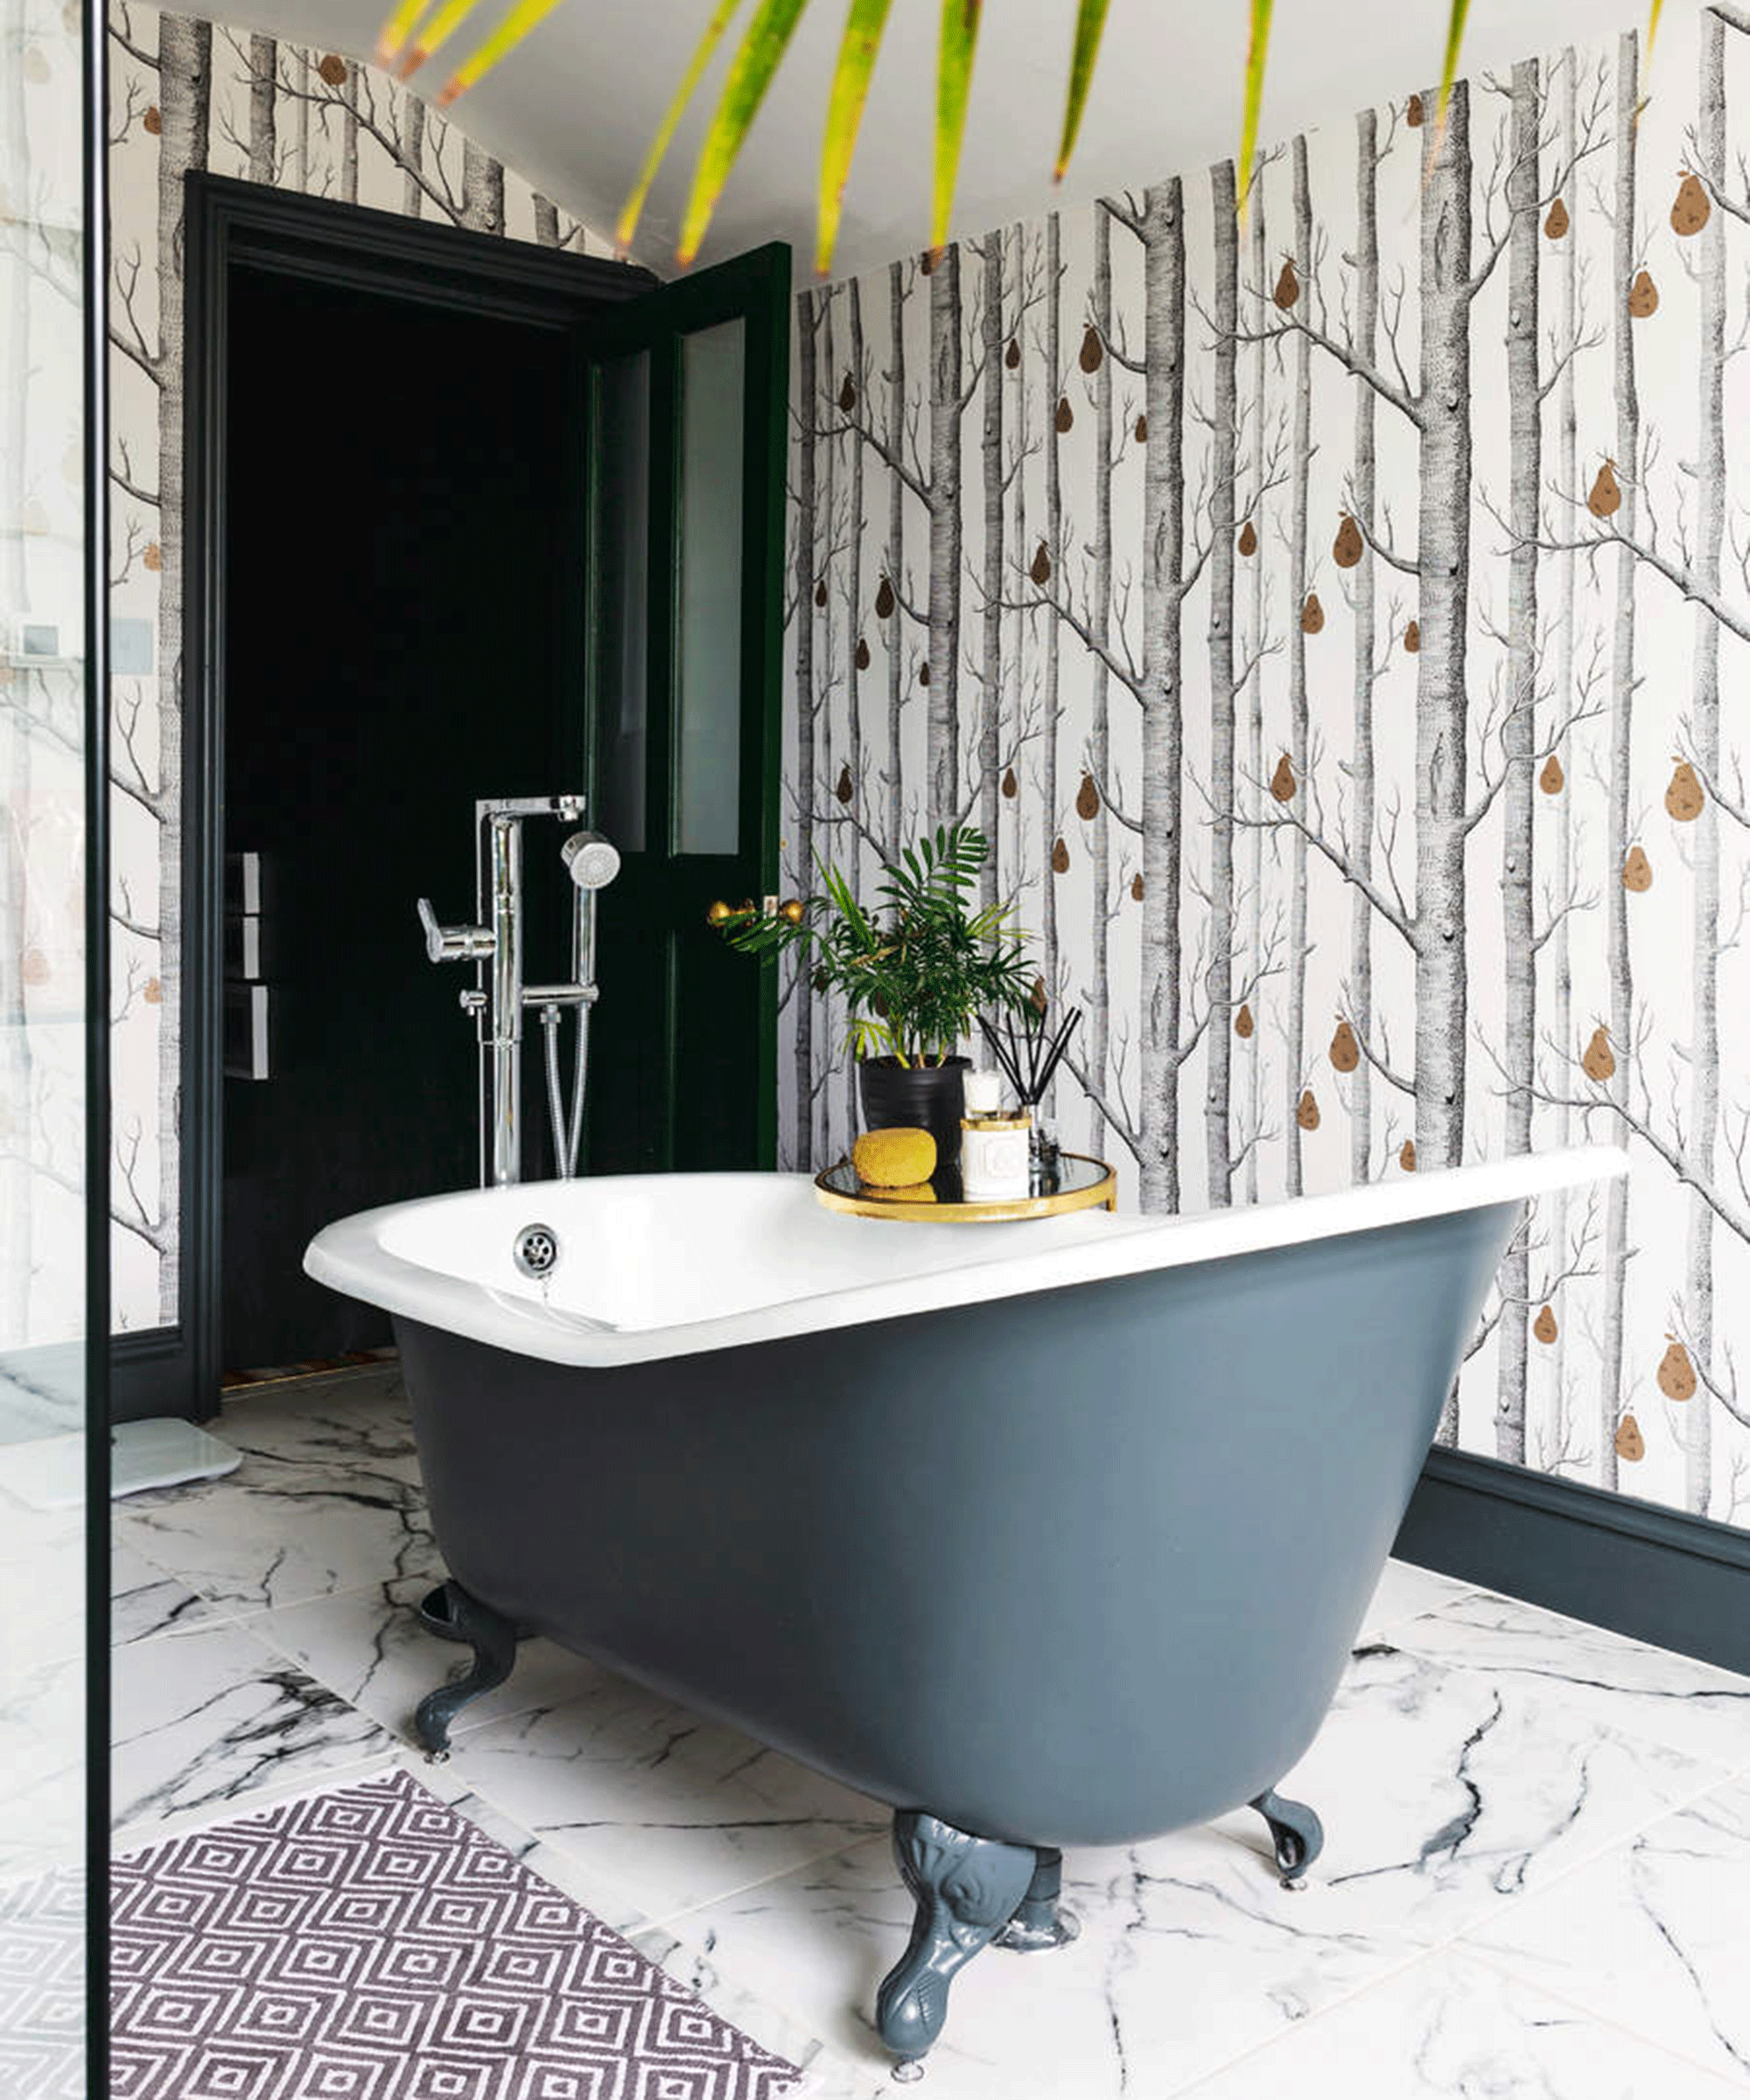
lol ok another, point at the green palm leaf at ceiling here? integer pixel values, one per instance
(418, 27)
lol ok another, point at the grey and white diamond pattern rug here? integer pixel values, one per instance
(370, 1944)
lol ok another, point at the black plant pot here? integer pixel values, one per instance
(924, 1097)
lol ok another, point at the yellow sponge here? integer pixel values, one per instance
(893, 1158)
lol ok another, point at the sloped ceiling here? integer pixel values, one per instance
(574, 109)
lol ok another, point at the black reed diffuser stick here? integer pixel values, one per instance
(1030, 1062)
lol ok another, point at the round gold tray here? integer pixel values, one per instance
(1083, 1184)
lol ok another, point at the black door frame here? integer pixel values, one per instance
(176, 1369)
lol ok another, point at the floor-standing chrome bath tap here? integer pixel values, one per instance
(500, 996)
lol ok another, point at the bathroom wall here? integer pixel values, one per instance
(1328, 615)
(187, 93)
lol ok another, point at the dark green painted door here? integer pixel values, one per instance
(688, 398)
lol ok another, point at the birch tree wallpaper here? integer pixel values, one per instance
(1326, 610)
(187, 93)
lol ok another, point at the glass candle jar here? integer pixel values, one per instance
(995, 1158)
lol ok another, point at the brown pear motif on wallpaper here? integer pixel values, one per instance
(885, 599)
(862, 653)
(1412, 114)
(1677, 1373)
(1307, 1114)
(1552, 780)
(844, 790)
(1287, 286)
(1643, 297)
(1637, 871)
(1599, 1061)
(1556, 225)
(1282, 781)
(1136, 887)
(1012, 356)
(1243, 1022)
(153, 557)
(1630, 1444)
(333, 69)
(1060, 858)
(1406, 1158)
(1412, 638)
(1545, 1326)
(1311, 615)
(1066, 415)
(1087, 798)
(1092, 349)
(1683, 798)
(1606, 499)
(1011, 786)
(1349, 546)
(1692, 209)
(1041, 570)
(820, 591)
(1249, 539)
(153, 994)
(923, 672)
(1345, 1051)
(847, 394)
(152, 120)
(1142, 430)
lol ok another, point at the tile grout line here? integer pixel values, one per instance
(1486, 1959)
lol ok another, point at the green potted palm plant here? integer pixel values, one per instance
(913, 968)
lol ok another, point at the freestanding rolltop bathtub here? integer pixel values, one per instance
(1045, 1534)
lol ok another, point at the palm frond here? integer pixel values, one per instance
(1090, 22)
(761, 51)
(863, 28)
(954, 83)
(1257, 55)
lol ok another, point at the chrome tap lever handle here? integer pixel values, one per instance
(453, 943)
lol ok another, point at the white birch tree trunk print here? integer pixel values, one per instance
(1052, 815)
(989, 803)
(897, 584)
(851, 857)
(263, 129)
(1614, 1394)
(1255, 652)
(806, 577)
(830, 544)
(1703, 1118)
(1518, 732)
(948, 405)
(1294, 1024)
(1363, 495)
(1091, 806)
(1443, 554)
(482, 190)
(413, 152)
(1224, 470)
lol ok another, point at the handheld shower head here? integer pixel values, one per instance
(591, 861)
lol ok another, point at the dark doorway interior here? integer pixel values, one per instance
(403, 633)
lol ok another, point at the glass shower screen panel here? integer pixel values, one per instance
(43, 1310)
(708, 698)
(622, 597)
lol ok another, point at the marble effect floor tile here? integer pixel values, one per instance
(1655, 1935)
(42, 1579)
(343, 1419)
(212, 1721)
(279, 1531)
(1406, 1592)
(42, 1766)
(1627, 1685)
(145, 1602)
(662, 1800)
(1453, 2026)
(370, 1647)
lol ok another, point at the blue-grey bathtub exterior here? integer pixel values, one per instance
(1076, 1567)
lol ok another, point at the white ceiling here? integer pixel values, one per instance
(574, 109)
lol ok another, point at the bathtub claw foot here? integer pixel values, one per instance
(966, 1890)
(494, 1641)
(1040, 1922)
(1296, 1832)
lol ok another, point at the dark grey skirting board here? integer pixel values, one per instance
(1638, 1568)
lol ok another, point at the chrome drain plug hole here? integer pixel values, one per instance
(536, 1250)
